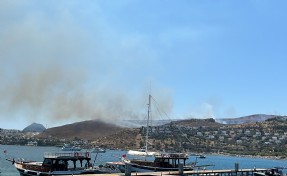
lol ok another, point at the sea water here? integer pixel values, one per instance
(35, 153)
(31, 153)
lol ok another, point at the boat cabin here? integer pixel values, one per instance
(66, 161)
(171, 160)
(165, 160)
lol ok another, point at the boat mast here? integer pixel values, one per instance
(147, 126)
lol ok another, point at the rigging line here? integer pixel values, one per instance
(171, 122)
(157, 107)
(183, 133)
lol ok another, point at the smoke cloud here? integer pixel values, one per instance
(55, 68)
(59, 95)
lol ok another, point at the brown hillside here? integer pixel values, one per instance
(124, 139)
(273, 124)
(198, 122)
(90, 130)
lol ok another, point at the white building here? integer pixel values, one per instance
(239, 141)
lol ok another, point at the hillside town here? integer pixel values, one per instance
(267, 138)
(248, 139)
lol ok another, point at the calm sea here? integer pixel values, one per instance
(36, 154)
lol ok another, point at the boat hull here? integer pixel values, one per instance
(141, 153)
(37, 173)
(29, 172)
(144, 168)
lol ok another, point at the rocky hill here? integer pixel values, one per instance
(276, 123)
(247, 119)
(197, 122)
(89, 130)
(34, 127)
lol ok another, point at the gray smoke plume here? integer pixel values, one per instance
(59, 95)
(58, 69)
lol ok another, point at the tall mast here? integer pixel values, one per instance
(147, 126)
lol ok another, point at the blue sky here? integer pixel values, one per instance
(68, 61)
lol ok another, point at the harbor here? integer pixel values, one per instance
(222, 165)
(75, 159)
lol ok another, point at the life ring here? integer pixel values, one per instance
(76, 154)
(87, 154)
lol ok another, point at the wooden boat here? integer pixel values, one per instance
(76, 163)
(162, 162)
(276, 171)
(68, 147)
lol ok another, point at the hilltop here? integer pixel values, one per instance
(90, 130)
(34, 127)
(247, 119)
(198, 122)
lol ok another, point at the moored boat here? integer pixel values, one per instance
(111, 167)
(201, 156)
(32, 143)
(76, 163)
(68, 147)
(162, 162)
(141, 152)
(144, 151)
(276, 171)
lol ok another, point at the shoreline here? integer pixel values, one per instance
(250, 156)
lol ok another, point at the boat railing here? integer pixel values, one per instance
(65, 154)
(171, 155)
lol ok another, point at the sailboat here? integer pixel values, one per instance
(144, 151)
(162, 161)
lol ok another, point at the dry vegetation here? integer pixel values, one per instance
(89, 130)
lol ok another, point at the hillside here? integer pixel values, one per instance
(104, 134)
(34, 127)
(89, 130)
(124, 139)
(247, 119)
(197, 122)
(276, 123)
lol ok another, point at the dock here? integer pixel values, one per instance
(196, 172)
(224, 172)
(241, 172)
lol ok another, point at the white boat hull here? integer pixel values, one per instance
(141, 168)
(140, 153)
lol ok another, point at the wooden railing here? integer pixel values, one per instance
(72, 154)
